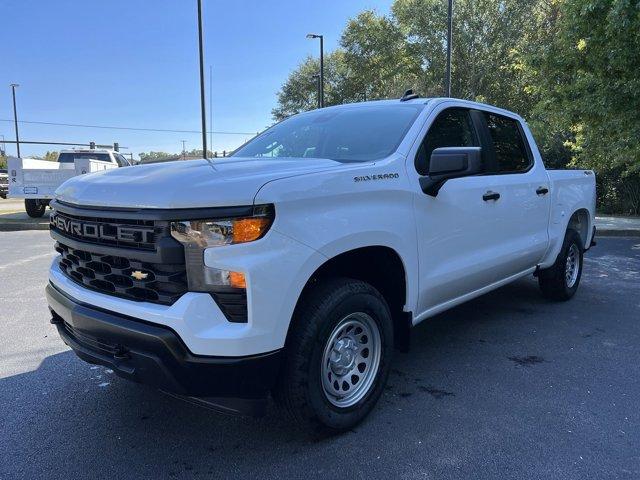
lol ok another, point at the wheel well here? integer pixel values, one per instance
(380, 267)
(579, 222)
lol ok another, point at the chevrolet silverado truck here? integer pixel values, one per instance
(294, 267)
(36, 180)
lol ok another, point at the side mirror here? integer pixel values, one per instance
(450, 162)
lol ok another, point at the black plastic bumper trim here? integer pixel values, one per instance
(155, 355)
(593, 238)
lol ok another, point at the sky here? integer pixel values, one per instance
(134, 63)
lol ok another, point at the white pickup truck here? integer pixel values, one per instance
(36, 180)
(295, 266)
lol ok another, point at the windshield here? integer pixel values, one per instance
(355, 134)
(72, 157)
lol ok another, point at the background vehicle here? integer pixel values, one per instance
(36, 180)
(4, 183)
(295, 266)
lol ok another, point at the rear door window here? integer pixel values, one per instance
(512, 154)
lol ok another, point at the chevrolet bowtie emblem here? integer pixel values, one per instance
(138, 275)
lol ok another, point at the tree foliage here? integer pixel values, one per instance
(589, 75)
(569, 66)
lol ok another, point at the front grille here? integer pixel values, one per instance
(126, 233)
(115, 275)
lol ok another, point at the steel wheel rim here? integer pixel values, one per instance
(572, 266)
(350, 360)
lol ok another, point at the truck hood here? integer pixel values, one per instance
(185, 184)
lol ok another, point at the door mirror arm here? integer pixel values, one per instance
(431, 186)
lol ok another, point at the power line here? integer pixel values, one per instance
(110, 127)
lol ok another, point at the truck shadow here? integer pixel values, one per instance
(94, 420)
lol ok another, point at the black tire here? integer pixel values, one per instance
(35, 208)
(300, 387)
(554, 281)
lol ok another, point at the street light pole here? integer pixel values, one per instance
(449, 35)
(321, 37)
(15, 116)
(316, 79)
(203, 113)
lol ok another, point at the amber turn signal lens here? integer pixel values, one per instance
(250, 229)
(237, 280)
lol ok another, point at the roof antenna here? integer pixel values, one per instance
(409, 95)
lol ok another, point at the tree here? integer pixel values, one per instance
(51, 156)
(487, 36)
(570, 67)
(300, 91)
(152, 156)
(381, 56)
(381, 63)
(589, 75)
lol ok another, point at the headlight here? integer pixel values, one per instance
(214, 233)
(198, 235)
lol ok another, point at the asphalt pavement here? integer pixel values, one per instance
(509, 385)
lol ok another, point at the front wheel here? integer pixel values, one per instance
(338, 355)
(561, 280)
(35, 208)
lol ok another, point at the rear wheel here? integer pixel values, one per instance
(338, 355)
(561, 280)
(35, 208)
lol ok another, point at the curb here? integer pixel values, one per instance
(617, 233)
(20, 227)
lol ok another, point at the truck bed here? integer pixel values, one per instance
(39, 179)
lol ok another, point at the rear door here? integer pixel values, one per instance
(523, 186)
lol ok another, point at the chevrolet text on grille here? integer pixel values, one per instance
(101, 231)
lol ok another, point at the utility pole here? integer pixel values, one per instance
(203, 112)
(184, 151)
(15, 116)
(315, 35)
(211, 107)
(449, 34)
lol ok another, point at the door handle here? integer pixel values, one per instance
(490, 196)
(542, 191)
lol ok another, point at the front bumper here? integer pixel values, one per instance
(155, 355)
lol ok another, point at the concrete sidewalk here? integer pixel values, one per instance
(13, 218)
(610, 225)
